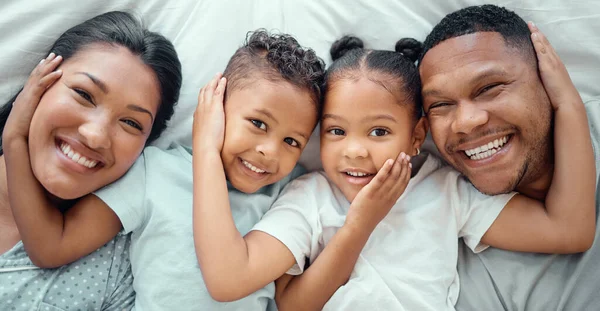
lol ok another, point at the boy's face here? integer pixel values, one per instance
(267, 125)
(363, 125)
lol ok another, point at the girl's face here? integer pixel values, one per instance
(363, 125)
(92, 124)
(267, 125)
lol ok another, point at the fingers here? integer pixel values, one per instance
(542, 46)
(382, 175)
(210, 88)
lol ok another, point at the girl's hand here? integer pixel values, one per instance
(40, 79)
(376, 199)
(556, 80)
(209, 118)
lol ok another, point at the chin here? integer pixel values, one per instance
(64, 192)
(247, 188)
(492, 187)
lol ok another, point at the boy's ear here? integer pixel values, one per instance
(419, 134)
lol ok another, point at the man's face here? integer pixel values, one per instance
(488, 111)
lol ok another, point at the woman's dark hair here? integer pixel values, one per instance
(122, 29)
(276, 57)
(395, 71)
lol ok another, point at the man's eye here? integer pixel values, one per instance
(488, 87)
(261, 125)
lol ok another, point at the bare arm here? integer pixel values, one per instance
(50, 237)
(332, 268)
(232, 266)
(567, 222)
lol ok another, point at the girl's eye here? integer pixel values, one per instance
(84, 95)
(133, 124)
(259, 124)
(337, 132)
(292, 142)
(378, 132)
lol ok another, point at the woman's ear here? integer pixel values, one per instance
(419, 135)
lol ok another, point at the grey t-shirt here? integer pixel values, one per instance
(101, 280)
(504, 280)
(154, 201)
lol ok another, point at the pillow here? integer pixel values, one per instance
(206, 33)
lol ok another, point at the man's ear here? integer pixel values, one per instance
(419, 134)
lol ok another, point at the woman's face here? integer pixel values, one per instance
(92, 124)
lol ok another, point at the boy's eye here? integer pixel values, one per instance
(337, 132)
(292, 142)
(133, 124)
(261, 125)
(378, 132)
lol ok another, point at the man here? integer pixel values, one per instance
(480, 81)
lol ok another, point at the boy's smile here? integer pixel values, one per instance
(267, 125)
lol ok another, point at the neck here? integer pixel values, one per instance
(538, 187)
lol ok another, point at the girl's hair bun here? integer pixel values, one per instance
(410, 48)
(343, 45)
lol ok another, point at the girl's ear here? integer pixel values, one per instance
(419, 135)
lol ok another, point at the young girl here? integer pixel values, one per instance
(272, 106)
(375, 252)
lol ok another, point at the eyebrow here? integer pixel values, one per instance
(101, 85)
(270, 116)
(140, 109)
(381, 117)
(267, 114)
(480, 76)
(369, 119)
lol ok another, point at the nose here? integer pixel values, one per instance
(467, 117)
(96, 133)
(355, 149)
(268, 148)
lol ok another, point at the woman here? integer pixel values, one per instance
(113, 94)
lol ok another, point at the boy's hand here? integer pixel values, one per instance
(209, 118)
(556, 80)
(376, 199)
(42, 77)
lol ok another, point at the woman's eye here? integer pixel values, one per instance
(337, 132)
(84, 95)
(292, 142)
(133, 124)
(378, 132)
(259, 124)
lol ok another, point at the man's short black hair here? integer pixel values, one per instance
(483, 18)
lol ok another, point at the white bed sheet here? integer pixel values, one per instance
(206, 33)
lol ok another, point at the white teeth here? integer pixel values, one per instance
(357, 174)
(486, 150)
(76, 157)
(252, 167)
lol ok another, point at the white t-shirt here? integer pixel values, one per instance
(409, 262)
